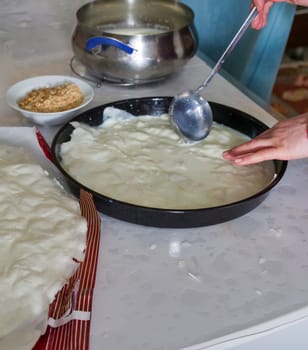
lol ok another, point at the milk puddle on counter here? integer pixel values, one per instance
(142, 161)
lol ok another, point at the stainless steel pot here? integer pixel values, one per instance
(134, 41)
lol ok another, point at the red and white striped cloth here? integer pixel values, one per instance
(70, 313)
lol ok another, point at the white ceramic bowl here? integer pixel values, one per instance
(20, 89)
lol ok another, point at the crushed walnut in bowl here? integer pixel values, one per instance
(50, 99)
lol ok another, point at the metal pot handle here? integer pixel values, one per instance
(95, 41)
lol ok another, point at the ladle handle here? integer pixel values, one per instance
(230, 48)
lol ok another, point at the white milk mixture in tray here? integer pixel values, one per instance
(142, 161)
(41, 233)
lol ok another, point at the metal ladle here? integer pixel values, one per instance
(190, 113)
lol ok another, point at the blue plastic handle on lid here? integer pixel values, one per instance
(100, 40)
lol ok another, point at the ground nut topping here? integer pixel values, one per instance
(53, 99)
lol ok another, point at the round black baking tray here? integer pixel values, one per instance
(157, 217)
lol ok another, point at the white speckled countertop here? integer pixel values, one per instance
(172, 288)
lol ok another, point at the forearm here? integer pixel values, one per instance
(286, 140)
(295, 2)
(263, 7)
(260, 3)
